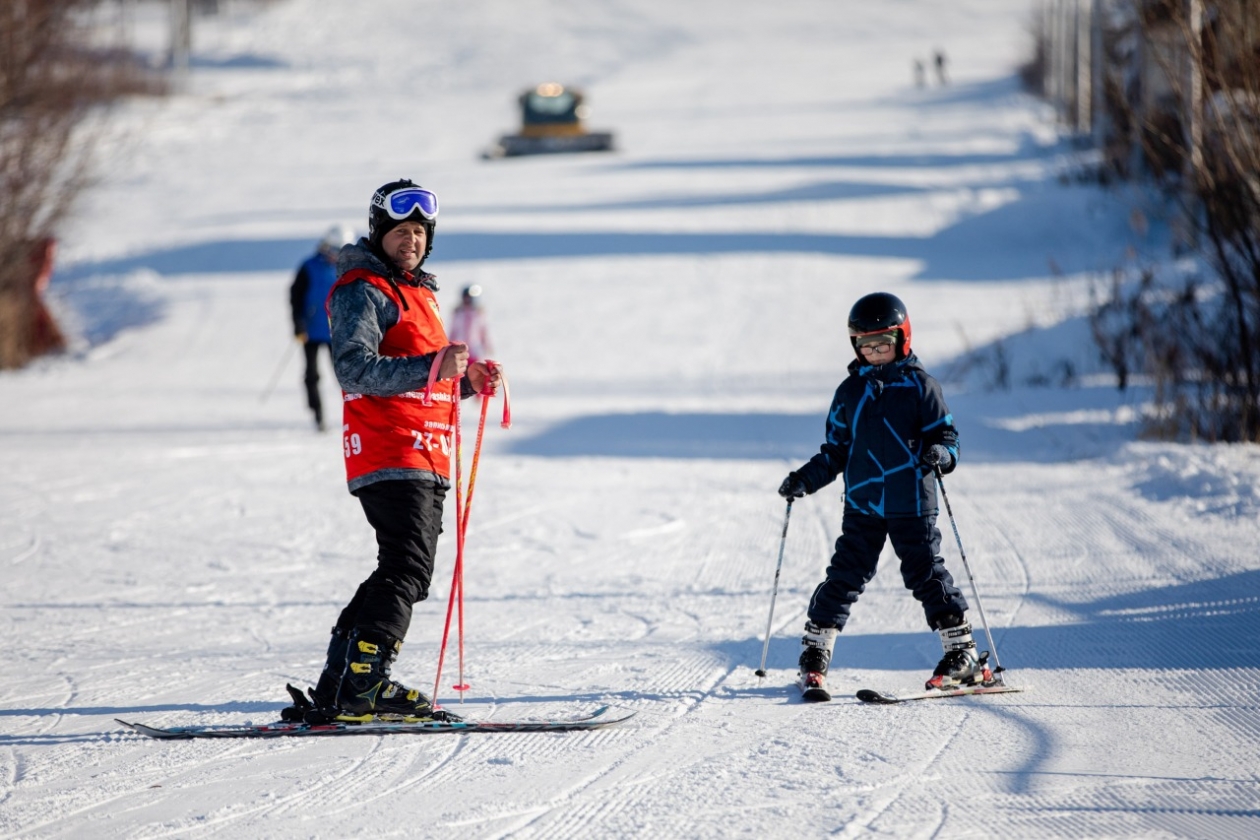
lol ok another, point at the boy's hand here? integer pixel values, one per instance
(938, 456)
(792, 487)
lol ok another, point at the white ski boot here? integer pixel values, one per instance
(960, 665)
(817, 644)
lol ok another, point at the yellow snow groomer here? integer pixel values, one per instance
(551, 123)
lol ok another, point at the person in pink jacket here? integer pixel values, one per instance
(468, 325)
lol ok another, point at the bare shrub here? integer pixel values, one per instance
(51, 79)
(1198, 337)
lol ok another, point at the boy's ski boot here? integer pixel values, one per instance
(816, 644)
(960, 665)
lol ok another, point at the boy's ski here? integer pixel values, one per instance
(813, 688)
(595, 720)
(867, 695)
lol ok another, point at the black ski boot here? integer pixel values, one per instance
(324, 694)
(815, 657)
(366, 690)
(960, 665)
(321, 705)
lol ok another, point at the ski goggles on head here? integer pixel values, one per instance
(402, 203)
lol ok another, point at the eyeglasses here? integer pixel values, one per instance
(400, 204)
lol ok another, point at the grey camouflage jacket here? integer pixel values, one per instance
(359, 315)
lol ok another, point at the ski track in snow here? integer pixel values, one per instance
(176, 541)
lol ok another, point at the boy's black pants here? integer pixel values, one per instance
(917, 542)
(407, 517)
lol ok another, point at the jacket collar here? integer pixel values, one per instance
(890, 372)
(363, 255)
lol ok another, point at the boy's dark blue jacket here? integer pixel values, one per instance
(882, 420)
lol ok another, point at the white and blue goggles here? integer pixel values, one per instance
(402, 203)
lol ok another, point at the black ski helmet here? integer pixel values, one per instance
(380, 222)
(880, 312)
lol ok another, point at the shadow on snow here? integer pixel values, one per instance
(656, 434)
(1034, 246)
(759, 436)
(1208, 624)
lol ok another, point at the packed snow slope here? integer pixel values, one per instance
(176, 539)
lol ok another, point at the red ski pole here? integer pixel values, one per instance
(457, 584)
(463, 528)
(459, 547)
(463, 508)
(481, 431)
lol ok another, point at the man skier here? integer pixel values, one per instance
(398, 372)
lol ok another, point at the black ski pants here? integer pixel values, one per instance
(917, 543)
(311, 377)
(407, 517)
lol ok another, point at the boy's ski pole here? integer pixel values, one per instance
(774, 593)
(997, 663)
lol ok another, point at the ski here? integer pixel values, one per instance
(597, 719)
(867, 695)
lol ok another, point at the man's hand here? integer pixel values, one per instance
(454, 362)
(485, 378)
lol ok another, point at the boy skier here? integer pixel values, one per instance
(888, 430)
(387, 335)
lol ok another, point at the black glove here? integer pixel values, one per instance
(938, 456)
(793, 487)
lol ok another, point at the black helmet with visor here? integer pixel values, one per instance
(877, 314)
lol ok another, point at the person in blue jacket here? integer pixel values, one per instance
(888, 430)
(307, 297)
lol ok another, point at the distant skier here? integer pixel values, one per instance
(387, 335)
(920, 73)
(939, 61)
(887, 430)
(468, 325)
(307, 296)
